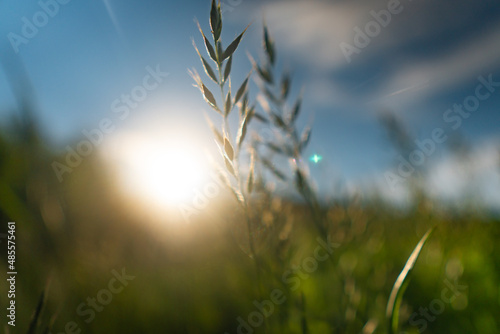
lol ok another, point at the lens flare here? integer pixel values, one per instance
(159, 172)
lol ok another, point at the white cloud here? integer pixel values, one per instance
(468, 62)
(313, 30)
(478, 175)
(475, 176)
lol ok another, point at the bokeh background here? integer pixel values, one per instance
(124, 205)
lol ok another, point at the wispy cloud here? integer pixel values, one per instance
(474, 58)
(456, 178)
(313, 30)
(114, 20)
(479, 172)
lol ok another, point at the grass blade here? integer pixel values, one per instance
(306, 136)
(269, 165)
(269, 46)
(250, 180)
(276, 119)
(285, 85)
(242, 131)
(401, 283)
(243, 106)
(36, 314)
(242, 89)
(208, 69)
(210, 48)
(265, 74)
(296, 110)
(234, 44)
(229, 166)
(228, 148)
(303, 320)
(227, 70)
(215, 20)
(209, 97)
(275, 148)
(260, 118)
(228, 106)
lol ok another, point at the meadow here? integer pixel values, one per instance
(252, 260)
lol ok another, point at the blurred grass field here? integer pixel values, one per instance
(197, 277)
(92, 259)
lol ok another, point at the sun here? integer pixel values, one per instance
(160, 171)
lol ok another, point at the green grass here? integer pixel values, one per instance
(203, 276)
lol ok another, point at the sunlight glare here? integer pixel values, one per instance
(161, 172)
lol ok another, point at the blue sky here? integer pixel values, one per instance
(427, 58)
